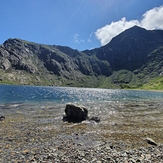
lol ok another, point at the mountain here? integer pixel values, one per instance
(129, 50)
(131, 59)
(30, 63)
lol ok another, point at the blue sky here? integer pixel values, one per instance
(79, 24)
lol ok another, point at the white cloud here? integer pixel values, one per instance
(152, 19)
(106, 33)
(76, 39)
(89, 40)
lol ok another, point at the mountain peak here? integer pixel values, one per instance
(135, 29)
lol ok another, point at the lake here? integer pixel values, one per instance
(63, 95)
(98, 101)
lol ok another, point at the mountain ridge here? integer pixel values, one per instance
(119, 63)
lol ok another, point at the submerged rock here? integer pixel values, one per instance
(96, 119)
(2, 118)
(75, 113)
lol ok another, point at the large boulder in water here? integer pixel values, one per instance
(75, 113)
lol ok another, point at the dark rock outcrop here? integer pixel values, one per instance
(62, 61)
(4, 63)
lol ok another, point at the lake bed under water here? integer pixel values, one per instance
(33, 117)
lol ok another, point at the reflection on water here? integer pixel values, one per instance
(62, 95)
(99, 102)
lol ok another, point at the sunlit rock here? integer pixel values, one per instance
(151, 141)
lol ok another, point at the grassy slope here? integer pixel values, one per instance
(24, 78)
(87, 81)
(154, 84)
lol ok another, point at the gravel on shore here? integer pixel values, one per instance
(40, 136)
(66, 150)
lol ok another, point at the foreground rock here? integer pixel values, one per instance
(75, 113)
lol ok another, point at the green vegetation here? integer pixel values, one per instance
(154, 84)
(119, 80)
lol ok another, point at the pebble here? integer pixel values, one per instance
(151, 141)
(34, 140)
(68, 151)
(90, 155)
(2, 118)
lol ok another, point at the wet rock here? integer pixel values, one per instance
(2, 118)
(25, 152)
(96, 119)
(151, 141)
(75, 113)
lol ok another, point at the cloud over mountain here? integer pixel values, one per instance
(151, 19)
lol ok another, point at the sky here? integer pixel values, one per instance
(79, 24)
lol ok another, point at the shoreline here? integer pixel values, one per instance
(40, 135)
(136, 89)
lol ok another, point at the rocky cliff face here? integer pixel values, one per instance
(129, 50)
(61, 61)
(133, 51)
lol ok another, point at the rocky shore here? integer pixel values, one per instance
(66, 150)
(40, 135)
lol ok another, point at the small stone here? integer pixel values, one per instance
(125, 161)
(148, 156)
(99, 162)
(84, 160)
(151, 141)
(25, 151)
(96, 119)
(82, 154)
(94, 159)
(111, 147)
(2, 118)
